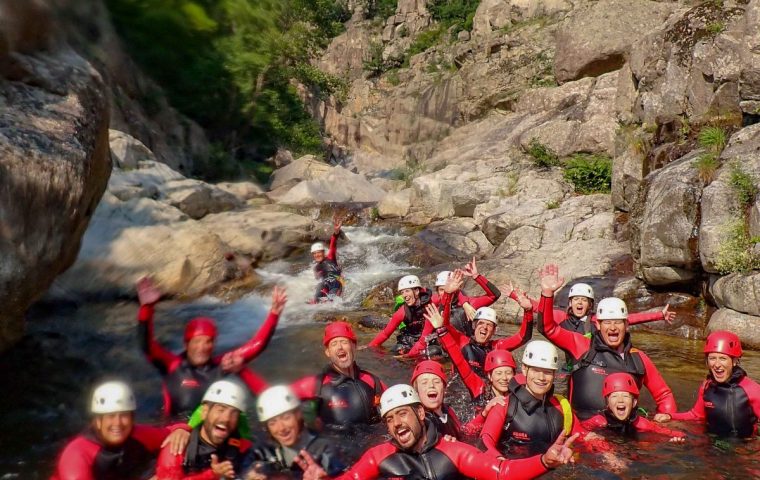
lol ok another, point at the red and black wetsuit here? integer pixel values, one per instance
(475, 353)
(480, 389)
(410, 338)
(277, 459)
(343, 400)
(446, 424)
(440, 459)
(628, 427)
(328, 272)
(195, 462)
(87, 458)
(525, 420)
(729, 409)
(593, 361)
(458, 318)
(185, 384)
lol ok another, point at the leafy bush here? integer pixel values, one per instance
(743, 185)
(712, 138)
(542, 155)
(423, 41)
(457, 13)
(393, 77)
(373, 62)
(736, 253)
(382, 9)
(589, 173)
(707, 164)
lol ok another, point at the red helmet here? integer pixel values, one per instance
(499, 358)
(724, 342)
(200, 326)
(620, 382)
(429, 366)
(338, 329)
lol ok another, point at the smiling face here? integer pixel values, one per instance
(410, 295)
(113, 429)
(484, 330)
(219, 421)
(538, 381)
(318, 256)
(341, 352)
(580, 306)
(286, 428)
(500, 378)
(621, 404)
(199, 350)
(613, 332)
(721, 366)
(405, 425)
(430, 388)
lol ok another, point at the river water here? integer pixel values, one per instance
(69, 347)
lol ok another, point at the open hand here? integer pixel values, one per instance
(550, 279)
(232, 362)
(337, 224)
(471, 269)
(433, 316)
(177, 441)
(455, 282)
(523, 300)
(279, 299)
(667, 315)
(492, 403)
(147, 291)
(469, 311)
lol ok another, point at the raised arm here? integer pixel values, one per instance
(306, 387)
(492, 293)
(148, 294)
(526, 328)
(645, 317)
(260, 340)
(390, 327)
(332, 252)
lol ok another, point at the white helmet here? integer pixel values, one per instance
(611, 308)
(112, 397)
(275, 401)
(442, 278)
(485, 313)
(581, 290)
(409, 281)
(397, 396)
(541, 354)
(227, 392)
(316, 247)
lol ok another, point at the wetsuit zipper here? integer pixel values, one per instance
(429, 474)
(731, 413)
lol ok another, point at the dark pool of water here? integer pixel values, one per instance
(47, 376)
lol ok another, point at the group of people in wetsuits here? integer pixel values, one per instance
(520, 426)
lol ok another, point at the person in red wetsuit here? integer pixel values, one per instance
(728, 401)
(188, 375)
(609, 350)
(532, 415)
(409, 319)
(417, 451)
(345, 393)
(579, 316)
(215, 449)
(622, 395)
(326, 268)
(114, 447)
(499, 365)
(459, 316)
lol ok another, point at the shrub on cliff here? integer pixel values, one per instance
(589, 173)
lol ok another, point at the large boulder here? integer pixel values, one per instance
(54, 161)
(740, 323)
(458, 236)
(597, 37)
(396, 204)
(127, 151)
(738, 292)
(338, 185)
(665, 224)
(197, 199)
(305, 168)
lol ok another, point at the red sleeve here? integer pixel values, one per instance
(306, 388)
(536, 304)
(520, 338)
(260, 340)
(253, 381)
(369, 379)
(332, 253)
(169, 467)
(76, 460)
(644, 317)
(661, 392)
(151, 437)
(492, 293)
(574, 343)
(642, 424)
(474, 426)
(160, 357)
(753, 393)
(368, 466)
(421, 343)
(594, 423)
(697, 412)
(493, 426)
(473, 463)
(459, 338)
(391, 327)
(475, 385)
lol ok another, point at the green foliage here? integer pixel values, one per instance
(456, 13)
(716, 28)
(707, 165)
(736, 253)
(743, 185)
(589, 173)
(373, 62)
(542, 155)
(552, 205)
(382, 9)
(230, 66)
(424, 40)
(712, 138)
(393, 77)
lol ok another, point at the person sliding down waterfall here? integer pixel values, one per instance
(326, 268)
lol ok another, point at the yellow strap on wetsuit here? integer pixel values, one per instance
(567, 414)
